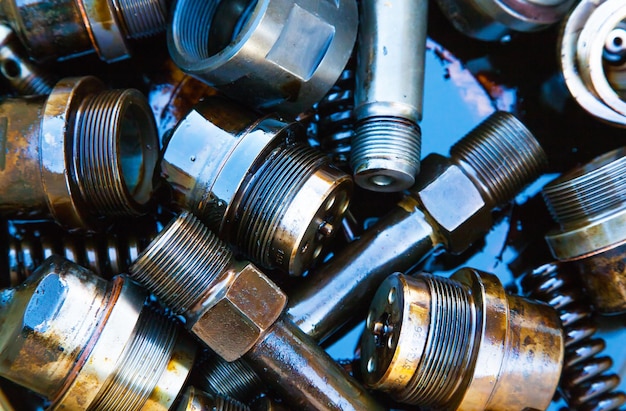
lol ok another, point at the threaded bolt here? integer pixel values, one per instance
(194, 399)
(142, 18)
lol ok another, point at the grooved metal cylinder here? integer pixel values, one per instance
(80, 155)
(461, 343)
(85, 343)
(195, 400)
(386, 147)
(61, 29)
(589, 203)
(255, 183)
(237, 311)
(281, 55)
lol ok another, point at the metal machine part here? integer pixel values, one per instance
(195, 400)
(585, 381)
(86, 343)
(449, 206)
(61, 29)
(588, 204)
(282, 55)
(495, 20)
(18, 71)
(461, 343)
(238, 312)
(386, 147)
(79, 155)
(254, 183)
(593, 58)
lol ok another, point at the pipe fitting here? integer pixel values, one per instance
(386, 146)
(85, 343)
(461, 343)
(62, 29)
(80, 155)
(195, 400)
(593, 58)
(589, 205)
(237, 311)
(281, 55)
(496, 20)
(252, 181)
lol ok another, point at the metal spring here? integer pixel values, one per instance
(585, 382)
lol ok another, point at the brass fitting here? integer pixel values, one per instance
(62, 29)
(386, 146)
(255, 184)
(593, 58)
(282, 55)
(79, 155)
(449, 206)
(85, 343)
(461, 343)
(495, 20)
(237, 311)
(588, 204)
(195, 400)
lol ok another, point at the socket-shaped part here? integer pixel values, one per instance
(495, 20)
(61, 29)
(79, 155)
(592, 48)
(461, 343)
(282, 55)
(386, 146)
(83, 342)
(255, 183)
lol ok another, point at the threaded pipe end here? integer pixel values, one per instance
(181, 263)
(193, 399)
(140, 366)
(386, 153)
(501, 156)
(143, 18)
(115, 152)
(590, 191)
(234, 379)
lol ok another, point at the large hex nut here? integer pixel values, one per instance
(241, 313)
(452, 203)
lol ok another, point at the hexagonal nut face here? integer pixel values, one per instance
(454, 204)
(240, 315)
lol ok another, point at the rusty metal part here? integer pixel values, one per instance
(588, 204)
(461, 343)
(387, 143)
(237, 311)
(450, 206)
(61, 29)
(86, 343)
(585, 381)
(79, 155)
(592, 49)
(496, 20)
(254, 183)
(195, 400)
(281, 55)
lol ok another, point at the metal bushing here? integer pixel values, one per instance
(282, 55)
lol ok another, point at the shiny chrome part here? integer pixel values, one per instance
(386, 147)
(237, 311)
(461, 343)
(254, 183)
(449, 206)
(195, 400)
(60, 29)
(85, 343)
(79, 155)
(593, 58)
(589, 204)
(496, 20)
(282, 55)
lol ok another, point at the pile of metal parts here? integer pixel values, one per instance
(198, 198)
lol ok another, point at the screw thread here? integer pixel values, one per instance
(32, 84)
(501, 155)
(140, 366)
(193, 400)
(143, 18)
(181, 263)
(234, 379)
(590, 191)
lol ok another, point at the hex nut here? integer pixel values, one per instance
(240, 313)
